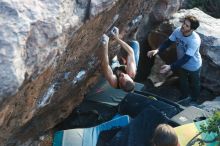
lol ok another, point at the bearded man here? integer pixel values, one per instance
(188, 61)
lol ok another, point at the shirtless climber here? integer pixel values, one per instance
(120, 76)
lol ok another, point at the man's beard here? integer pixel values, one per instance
(184, 32)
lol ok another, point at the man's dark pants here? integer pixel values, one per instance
(190, 83)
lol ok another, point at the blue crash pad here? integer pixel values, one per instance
(87, 136)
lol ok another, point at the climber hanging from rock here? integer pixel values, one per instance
(120, 75)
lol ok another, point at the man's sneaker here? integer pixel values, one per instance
(135, 22)
(193, 103)
(185, 101)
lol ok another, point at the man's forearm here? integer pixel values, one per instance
(125, 46)
(180, 62)
(104, 56)
(165, 45)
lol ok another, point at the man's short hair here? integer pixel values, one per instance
(165, 135)
(194, 22)
(129, 86)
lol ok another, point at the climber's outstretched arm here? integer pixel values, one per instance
(106, 69)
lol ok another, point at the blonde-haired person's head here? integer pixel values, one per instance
(165, 135)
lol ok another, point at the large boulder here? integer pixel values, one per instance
(48, 54)
(163, 9)
(209, 32)
(34, 33)
(49, 58)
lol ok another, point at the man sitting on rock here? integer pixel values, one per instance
(120, 76)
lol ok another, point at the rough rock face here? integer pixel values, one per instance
(209, 32)
(164, 8)
(49, 58)
(34, 33)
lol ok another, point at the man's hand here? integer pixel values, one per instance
(152, 53)
(115, 32)
(165, 69)
(104, 39)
